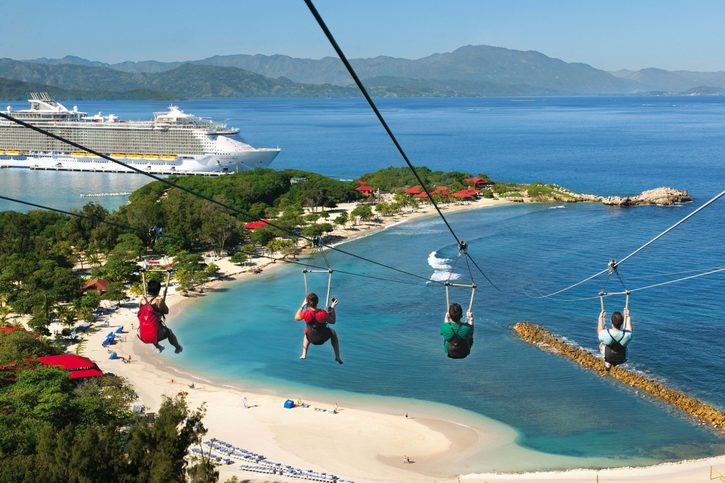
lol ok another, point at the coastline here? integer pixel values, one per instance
(361, 441)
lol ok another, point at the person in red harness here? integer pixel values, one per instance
(158, 311)
(317, 331)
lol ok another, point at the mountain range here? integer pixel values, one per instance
(469, 71)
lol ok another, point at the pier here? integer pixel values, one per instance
(98, 195)
(546, 341)
(125, 171)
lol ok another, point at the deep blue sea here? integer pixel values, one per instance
(389, 331)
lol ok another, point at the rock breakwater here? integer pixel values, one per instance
(543, 339)
(659, 196)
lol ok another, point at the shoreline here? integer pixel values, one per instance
(377, 437)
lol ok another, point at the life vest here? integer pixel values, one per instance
(615, 353)
(317, 330)
(148, 323)
(458, 347)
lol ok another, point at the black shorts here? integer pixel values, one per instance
(162, 332)
(319, 335)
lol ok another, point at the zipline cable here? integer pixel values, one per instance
(382, 121)
(201, 196)
(642, 247)
(69, 213)
(664, 274)
(693, 213)
(660, 284)
(711, 272)
(138, 230)
(362, 275)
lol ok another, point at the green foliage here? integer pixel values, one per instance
(129, 247)
(20, 345)
(342, 218)
(312, 217)
(262, 236)
(219, 229)
(115, 292)
(397, 178)
(55, 430)
(190, 270)
(238, 258)
(117, 269)
(284, 246)
(362, 212)
(318, 229)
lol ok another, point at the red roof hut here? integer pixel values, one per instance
(78, 367)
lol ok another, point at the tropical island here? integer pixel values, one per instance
(65, 280)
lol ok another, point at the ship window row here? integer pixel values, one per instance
(109, 141)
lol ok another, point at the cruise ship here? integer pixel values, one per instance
(173, 143)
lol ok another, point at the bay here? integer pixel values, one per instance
(389, 332)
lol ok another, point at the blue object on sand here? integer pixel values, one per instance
(113, 356)
(289, 404)
(119, 330)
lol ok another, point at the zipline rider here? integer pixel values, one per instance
(457, 334)
(614, 341)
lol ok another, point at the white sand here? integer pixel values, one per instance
(355, 443)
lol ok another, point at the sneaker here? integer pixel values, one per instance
(161, 349)
(178, 349)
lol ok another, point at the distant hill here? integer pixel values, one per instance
(673, 81)
(468, 71)
(82, 81)
(12, 90)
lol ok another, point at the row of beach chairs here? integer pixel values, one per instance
(262, 464)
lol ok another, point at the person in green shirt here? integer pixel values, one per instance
(457, 335)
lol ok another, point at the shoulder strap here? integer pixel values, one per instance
(620, 339)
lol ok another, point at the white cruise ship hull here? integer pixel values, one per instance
(200, 164)
(174, 142)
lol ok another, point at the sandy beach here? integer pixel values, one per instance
(392, 440)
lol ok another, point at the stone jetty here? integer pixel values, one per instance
(658, 196)
(544, 340)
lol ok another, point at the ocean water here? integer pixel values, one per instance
(389, 331)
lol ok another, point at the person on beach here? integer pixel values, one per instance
(613, 342)
(160, 310)
(457, 335)
(317, 331)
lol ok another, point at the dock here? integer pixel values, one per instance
(98, 195)
(536, 335)
(125, 171)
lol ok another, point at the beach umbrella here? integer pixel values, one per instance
(364, 188)
(253, 225)
(361, 182)
(414, 190)
(422, 195)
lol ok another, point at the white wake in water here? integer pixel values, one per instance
(441, 268)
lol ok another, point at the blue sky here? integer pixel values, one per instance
(609, 34)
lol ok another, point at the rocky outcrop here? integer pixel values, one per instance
(544, 340)
(658, 196)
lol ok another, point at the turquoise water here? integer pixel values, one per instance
(391, 346)
(389, 331)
